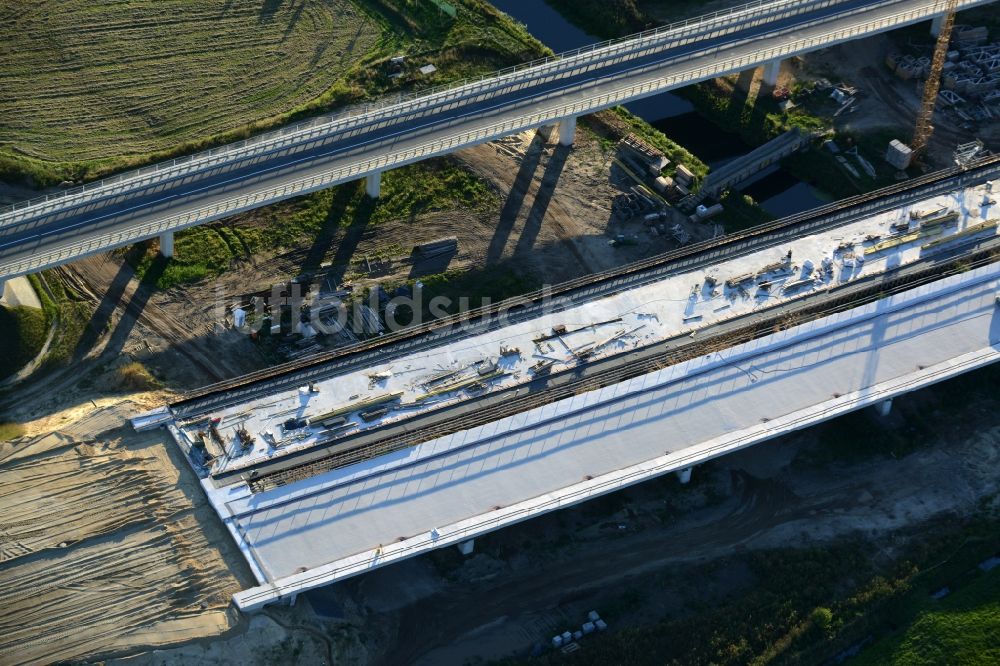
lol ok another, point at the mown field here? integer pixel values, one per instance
(95, 86)
(88, 80)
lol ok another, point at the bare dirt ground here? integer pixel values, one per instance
(106, 543)
(889, 103)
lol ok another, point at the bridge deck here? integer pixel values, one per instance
(635, 318)
(330, 522)
(35, 238)
(476, 480)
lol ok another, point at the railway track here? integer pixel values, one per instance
(617, 369)
(567, 294)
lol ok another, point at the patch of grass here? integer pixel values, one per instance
(757, 120)
(9, 431)
(74, 314)
(962, 628)
(23, 331)
(132, 377)
(407, 192)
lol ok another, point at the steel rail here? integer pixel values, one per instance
(464, 324)
(394, 110)
(871, 289)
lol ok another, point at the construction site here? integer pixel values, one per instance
(555, 420)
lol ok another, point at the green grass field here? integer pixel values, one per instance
(95, 86)
(88, 80)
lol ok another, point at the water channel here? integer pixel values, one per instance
(779, 192)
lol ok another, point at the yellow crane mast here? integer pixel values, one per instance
(924, 129)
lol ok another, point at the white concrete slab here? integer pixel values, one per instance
(645, 314)
(677, 416)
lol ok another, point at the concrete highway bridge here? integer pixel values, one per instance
(338, 464)
(158, 200)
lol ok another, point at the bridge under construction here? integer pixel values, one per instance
(341, 463)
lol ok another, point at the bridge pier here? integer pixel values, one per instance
(567, 131)
(466, 547)
(936, 23)
(373, 184)
(771, 72)
(3, 287)
(167, 244)
(684, 475)
(884, 408)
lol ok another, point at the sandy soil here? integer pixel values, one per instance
(106, 543)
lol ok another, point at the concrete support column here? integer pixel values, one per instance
(567, 131)
(936, 24)
(167, 244)
(466, 547)
(3, 286)
(885, 408)
(684, 475)
(292, 598)
(771, 72)
(373, 184)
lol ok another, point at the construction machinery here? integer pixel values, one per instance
(924, 129)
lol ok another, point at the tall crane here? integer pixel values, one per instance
(924, 129)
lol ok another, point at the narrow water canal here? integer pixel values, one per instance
(779, 193)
